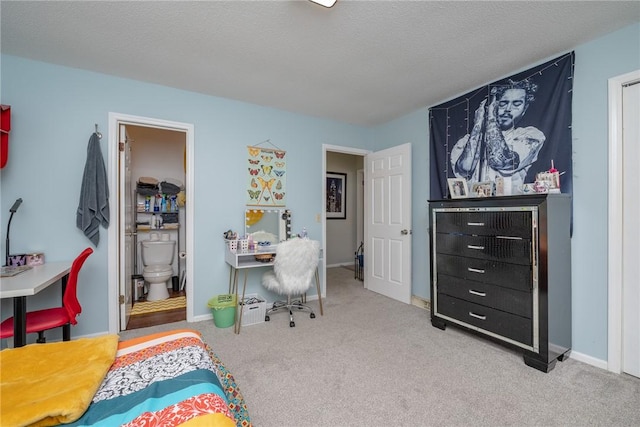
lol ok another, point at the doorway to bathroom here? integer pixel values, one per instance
(151, 160)
(157, 170)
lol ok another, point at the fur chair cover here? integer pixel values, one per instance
(294, 267)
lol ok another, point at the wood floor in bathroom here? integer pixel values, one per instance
(160, 317)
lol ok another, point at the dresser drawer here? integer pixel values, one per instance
(492, 296)
(507, 325)
(516, 250)
(514, 276)
(508, 223)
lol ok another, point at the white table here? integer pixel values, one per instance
(244, 260)
(29, 283)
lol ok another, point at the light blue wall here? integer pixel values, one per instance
(596, 62)
(609, 56)
(54, 109)
(53, 114)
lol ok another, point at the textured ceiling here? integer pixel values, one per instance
(360, 62)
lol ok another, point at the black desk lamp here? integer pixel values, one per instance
(13, 210)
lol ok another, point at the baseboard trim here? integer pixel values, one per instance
(421, 302)
(203, 317)
(340, 264)
(589, 360)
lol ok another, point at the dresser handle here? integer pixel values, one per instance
(477, 316)
(475, 247)
(475, 270)
(476, 224)
(480, 294)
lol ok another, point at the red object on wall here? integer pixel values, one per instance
(5, 127)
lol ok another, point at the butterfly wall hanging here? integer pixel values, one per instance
(266, 172)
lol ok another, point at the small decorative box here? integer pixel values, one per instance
(17, 260)
(35, 259)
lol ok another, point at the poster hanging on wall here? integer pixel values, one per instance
(266, 184)
(505, 132)
(336, 196)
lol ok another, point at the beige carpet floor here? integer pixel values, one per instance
(372, 361)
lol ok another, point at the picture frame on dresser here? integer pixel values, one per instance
(482, 189)
(458, 188)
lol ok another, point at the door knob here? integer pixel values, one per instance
(405, 232)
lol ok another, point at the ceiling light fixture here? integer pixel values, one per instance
(325, 3)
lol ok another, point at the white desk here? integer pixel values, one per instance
(29, 283)
(243, 260)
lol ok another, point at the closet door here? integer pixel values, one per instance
(631, 230)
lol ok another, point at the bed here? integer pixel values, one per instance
(165, 379)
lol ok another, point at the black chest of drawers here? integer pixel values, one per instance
(501, 267)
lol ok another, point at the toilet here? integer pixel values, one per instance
(157, 257)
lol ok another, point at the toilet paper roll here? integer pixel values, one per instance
(165, 237)
(183, 255)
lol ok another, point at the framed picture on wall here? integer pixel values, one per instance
(336, 197)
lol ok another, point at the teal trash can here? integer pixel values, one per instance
(223, 308)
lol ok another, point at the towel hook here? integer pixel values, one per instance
(98, 133)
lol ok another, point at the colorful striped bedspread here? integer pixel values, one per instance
(167, 379)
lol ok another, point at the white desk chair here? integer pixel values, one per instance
(294, 268)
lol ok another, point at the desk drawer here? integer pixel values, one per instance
(503, 299)
(514, 276)
(485, 247)
(504, 324)
(513, 224)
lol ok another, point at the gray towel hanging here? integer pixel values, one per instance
(93, 207)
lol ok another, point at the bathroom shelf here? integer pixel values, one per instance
(156, 212)
(166, 227)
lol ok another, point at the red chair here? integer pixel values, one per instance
(49, 318)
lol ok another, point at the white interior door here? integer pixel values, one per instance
(127, 234)
(387, 228)
(631, 230)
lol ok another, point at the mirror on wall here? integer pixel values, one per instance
(267, 225)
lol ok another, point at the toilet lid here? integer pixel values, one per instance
(157, 269)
